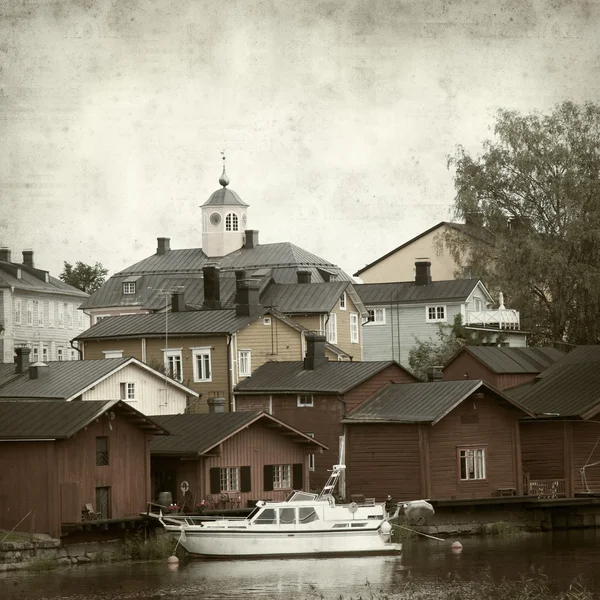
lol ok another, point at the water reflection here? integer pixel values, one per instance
(562, 556)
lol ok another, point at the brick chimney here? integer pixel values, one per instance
(303, 276)
(163, 245)
(5, 254)
(212, 287)
(216, 405)
(251, 240)
(28, 258)
(178, 300)
(247, 298)
(315, 351)
(22, 361)
(422, 271)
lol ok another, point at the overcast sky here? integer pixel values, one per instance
(337, 117)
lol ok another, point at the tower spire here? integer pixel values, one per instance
(224, 179)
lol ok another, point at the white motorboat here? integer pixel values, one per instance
(303, 524)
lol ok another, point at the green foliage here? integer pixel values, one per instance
(136, 547)
(42, 563)
(86, 278)
(451, 338)
(533, 199)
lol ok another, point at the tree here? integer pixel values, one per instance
(451, 338)
(86, 278)
(535, 193)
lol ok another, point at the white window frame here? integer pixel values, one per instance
(112, 353)
(35, 353)
(378, 316)
(50, 313)
(38, 315)
(354, 329)
(69, 315)
(343, 302)
(230, 479)
(266, 320)
(18, 311)
(305, 401)
(128, 389)
(332, 328)
(129, 288)
(232, 222)
(61, 315)
(175, 356)
(60, 354)
(472, 462)
(45, 352)
(244, 363)
(437, 309)
(29, 313)
(311, 457)
(199, 373)
(282, 477)
(98, 318)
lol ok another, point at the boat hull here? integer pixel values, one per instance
(228, 544)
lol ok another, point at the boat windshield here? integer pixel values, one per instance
(296, 496)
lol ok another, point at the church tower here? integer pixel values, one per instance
(223, 221)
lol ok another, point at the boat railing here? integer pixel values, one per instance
(361, 500)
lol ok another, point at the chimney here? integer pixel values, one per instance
(178, 301)
(422, 271)
(28, 258)
(22, 361)
(435, 373)
(163, 245)
(251, 240)
(39, 370)
(247, 300)
(303, 276)
(5, 254)
(315, 351)
(216, 405)
(212, 287)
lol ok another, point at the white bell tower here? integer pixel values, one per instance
(223, 220)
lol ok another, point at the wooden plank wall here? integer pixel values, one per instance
(543, 449)
(586, 450)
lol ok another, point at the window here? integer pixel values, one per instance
(353, 328)
(472, 463)
(311, 457)
(435, 314)
(201, 364)
(343, 301)
(129, 287)
(244, 363)
(266, 517)
(69, 315)
(113, 353)
(230, 479)
(61, 314)
(29, 312)
(306, 514)
(38, 316)
(102, 451)
(478, 304)
(35, 354)
(127, 391)
(231, 222)
(377, 316)
(60, 354)
(99, 318)
(173, 366)
(332, 329)
(282, 477)
(266, 320)
(44, 353)
(305, 400)
(50, 314)
(18, 309)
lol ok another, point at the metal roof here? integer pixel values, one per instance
(195, 434)
(409, 292)
(302, 298)
(568, 388)
(33, 280)
(333, 377)
(224, 196)
(190, 322)
(513, 360)
(46, 420)
(418, 402)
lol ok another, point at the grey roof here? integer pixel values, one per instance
(513, 360)
(191, 322)
(64, 380)
(333, 377)
(408, 292)
(283, 259)
(472, 230)
(418, 402)
(39, 420)
(302, 298)
(34, 280)
(195, 434)
(224, 196)
(568, 388)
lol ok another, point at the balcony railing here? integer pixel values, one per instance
(545, 488)
(502, 318)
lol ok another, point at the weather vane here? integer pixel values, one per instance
(224, 179)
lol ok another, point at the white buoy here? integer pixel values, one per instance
(173, 560)
(456, 547)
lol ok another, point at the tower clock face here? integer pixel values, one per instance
(215, 218)
(244, 219)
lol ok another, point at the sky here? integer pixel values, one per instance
(337, 117)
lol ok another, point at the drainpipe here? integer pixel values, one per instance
(229, 373)
(78, 350)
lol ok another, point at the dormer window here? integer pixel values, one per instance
(129, 287)
(343, 301)
(231, 222)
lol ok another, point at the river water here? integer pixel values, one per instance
(560, 556)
